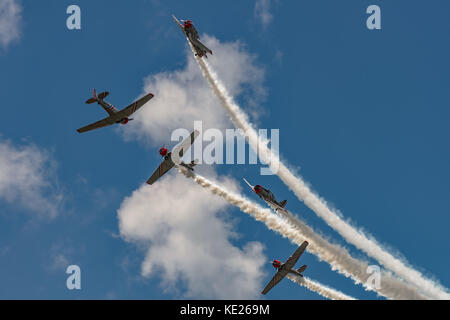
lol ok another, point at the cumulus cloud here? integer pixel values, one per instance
(183, 96)
(262, 12)
(188, 240)
(28, 179)
(10, 20)
(185, 231)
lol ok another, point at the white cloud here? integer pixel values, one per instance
(61, 255)
(183, 96)
(262, 12)
(188, 241)
(10, 20)
(185, 231)
(59, 262)
(28, 179)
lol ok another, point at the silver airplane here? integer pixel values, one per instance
(115, 115)
(284, 268)
(168, 163)
(268, 197)
(192, 34)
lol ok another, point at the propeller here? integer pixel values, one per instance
(249, 184)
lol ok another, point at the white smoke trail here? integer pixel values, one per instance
(319, 288)
(339, 258)
(352, 235)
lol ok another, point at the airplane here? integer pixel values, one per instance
(115, 115)
(168, 163)
(268, 197)
(284, 268)
(192, 34)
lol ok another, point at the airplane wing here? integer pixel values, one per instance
(185, 144)
(276, 278)
(204, 48)
(132, 108)
(290, 263)
(99, 124)
(165, 166)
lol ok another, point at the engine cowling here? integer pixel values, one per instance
(125, 121)
(163, 151)
(276, 264)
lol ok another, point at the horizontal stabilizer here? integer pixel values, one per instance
(190, 165)
(301, 269)
(96, 97)
(91, 100)
(103, 95)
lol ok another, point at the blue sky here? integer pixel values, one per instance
(363, 114)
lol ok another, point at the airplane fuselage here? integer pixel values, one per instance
(281, 268)
(191, 34)
(167, 155)
(107, 106)
(111, 110)
(266, 195)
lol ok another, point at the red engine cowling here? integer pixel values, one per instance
(125, 121)
(276, 264)
(163, 151)
(188, 24)
(258, 188)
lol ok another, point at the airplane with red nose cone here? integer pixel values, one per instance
(284, 268)
(168, 162)
(268, 197)
(192, 35)
(115, 115)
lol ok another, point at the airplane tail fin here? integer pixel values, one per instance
(190, 165)
(301, 269)
(283, 203)
(93, 99)
(193, 163)
(96, 97)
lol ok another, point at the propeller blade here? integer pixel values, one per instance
(248, 183)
